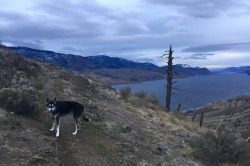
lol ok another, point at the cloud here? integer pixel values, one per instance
(198, 8)
(50, 21)
(199, 56)
(214, 47)
(36, 44)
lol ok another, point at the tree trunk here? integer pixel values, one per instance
(201, 120)
(169, 79)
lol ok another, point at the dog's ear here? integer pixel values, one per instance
(47, 100)
(54, 100)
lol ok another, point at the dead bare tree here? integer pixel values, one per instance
(170, 82)
(170, 58)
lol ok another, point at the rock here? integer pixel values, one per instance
(126, 128)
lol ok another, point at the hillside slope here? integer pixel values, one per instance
(119, 134)
(234, 112)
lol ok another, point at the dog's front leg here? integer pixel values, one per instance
(54, 124)
(77, 126)
(57, 126)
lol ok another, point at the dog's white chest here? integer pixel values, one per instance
(55, 116)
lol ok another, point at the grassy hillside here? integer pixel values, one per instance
(234, 113)
(122, 132)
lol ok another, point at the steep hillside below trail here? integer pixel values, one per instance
(233, 112)
(119, 133)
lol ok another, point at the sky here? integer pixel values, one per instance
(203, 33)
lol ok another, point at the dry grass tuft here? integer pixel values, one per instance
(165, 117)
(187, 151)
(151, 113)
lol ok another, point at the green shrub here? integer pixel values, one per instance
(225, 146)
(125, 92)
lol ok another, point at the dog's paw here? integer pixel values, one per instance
(57, 135)
(74, 133)
(51, 129)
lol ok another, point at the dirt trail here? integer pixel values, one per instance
(77, 149)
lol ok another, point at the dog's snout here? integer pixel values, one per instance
(50, 109)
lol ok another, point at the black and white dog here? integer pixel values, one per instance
(61, 108)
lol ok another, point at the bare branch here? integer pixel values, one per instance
(174, 82)
(176, 89)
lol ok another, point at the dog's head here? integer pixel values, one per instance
(51, 105)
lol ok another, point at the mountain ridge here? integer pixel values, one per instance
(117, 70)
(98, 61)
(239, 69)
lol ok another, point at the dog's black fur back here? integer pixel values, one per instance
(65, 107)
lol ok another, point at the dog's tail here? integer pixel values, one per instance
(85, 118)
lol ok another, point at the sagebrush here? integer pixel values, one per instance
(221, 147)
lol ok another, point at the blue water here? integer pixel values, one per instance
(197, 91)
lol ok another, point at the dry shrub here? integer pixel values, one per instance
(153, 99)
(187, 151)
(140, 99)
(174, 120)
(190, 126)
(225, 146)
(178, 114)
(22, 102)
(125, 92)
(162, 115)
(150, 114)
(169, 117)
(138, 102)
(166, 117)
(140, 94)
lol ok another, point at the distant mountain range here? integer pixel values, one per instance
(109, 70)
(79, 63)
(241, 69)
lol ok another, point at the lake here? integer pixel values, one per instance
(197, 91)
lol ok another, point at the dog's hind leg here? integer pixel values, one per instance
(54, 124)
(77, 126)
(57, 126)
